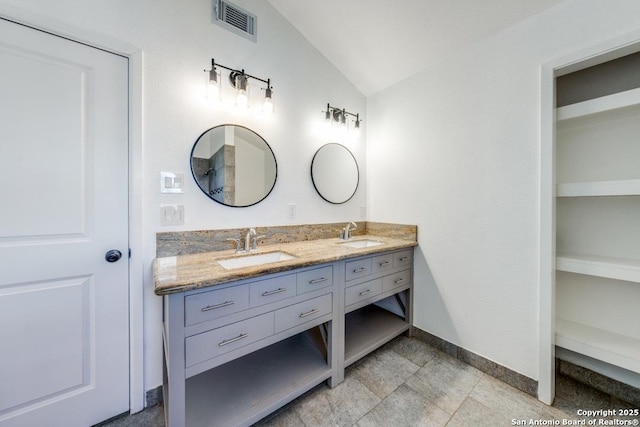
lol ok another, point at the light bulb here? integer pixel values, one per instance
(356, 128)
(242, 100)
(267, 106)
(242, 96)
(213, 86)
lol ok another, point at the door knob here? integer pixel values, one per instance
(113, 255)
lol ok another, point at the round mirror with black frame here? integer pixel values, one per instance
(335, 173)
(233, 165)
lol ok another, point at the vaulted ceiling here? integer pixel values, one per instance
(376, 43)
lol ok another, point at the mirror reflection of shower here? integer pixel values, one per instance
(233, 165)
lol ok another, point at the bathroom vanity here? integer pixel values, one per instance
(244, 340)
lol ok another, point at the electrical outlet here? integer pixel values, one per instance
(292, 211)
(172, 215)
(363, 212)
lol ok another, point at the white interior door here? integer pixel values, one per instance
(64, 310)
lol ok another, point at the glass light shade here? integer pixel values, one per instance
(356, 128)
(213, 86)
(267, 106)
(242, 92)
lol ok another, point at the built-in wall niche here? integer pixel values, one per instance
(598, 218)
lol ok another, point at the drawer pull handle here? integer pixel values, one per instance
(275, 291)
(308, 313)
(359, 270)
(382, 264)
(222, 304)
(363, 293)
(400, 280)
(232, 340)
(403, 259)
(314, 281)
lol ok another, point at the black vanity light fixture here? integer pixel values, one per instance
(239, 80)
(338, 116)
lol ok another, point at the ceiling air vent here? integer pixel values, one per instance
(235, 19)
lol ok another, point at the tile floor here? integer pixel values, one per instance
(408, 383)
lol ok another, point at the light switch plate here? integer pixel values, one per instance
(171, 182)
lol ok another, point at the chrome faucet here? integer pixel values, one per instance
(250, 242)
(346, 231)
(251, 235)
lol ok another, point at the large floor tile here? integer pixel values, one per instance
(412, 349)
(473, 413)
(383, 371)
(506, 400)
(445, 381)
(343, 405)
(405, 407)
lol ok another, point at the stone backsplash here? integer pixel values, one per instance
(191, 242)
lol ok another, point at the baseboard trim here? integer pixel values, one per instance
(514, 379)
(153, 397)
(598, 381)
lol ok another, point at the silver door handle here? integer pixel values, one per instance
(213, 307)
(308, 313)
(382, 264)
(322, 279)
(400, 280)
(359, 270)
(363, 293)
(231, 340)
(275, 291)
(403, 259)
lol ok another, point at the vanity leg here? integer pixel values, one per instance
(174, 382)
(336, 330)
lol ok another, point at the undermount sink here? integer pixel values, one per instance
(251, 260)
(365, 243)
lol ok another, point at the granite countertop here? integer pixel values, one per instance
(187, 272)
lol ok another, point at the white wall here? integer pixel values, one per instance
(178, 41)
(455, 150)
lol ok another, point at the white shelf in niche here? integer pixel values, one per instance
(598, 105)
(628, 187)
(609, 267)
(616, 349)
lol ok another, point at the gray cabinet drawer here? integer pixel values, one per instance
(216, 303)
(303, 312)
(207, 345)
(362, 291)
(382, 263)
(396, 280)
(403, 258)
(358, 268)
(270, 290)
(317, 278)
